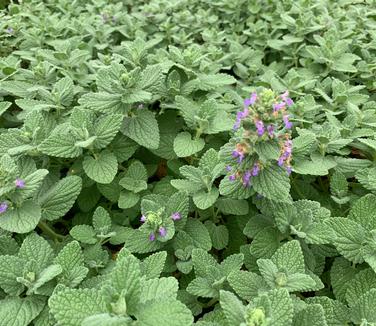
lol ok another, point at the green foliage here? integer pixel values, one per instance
(187, 163)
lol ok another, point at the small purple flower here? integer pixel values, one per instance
(281, 160)
(253, 98)
(143, 219)
(176, 216)
(286, 121)
(288, 169)
(255, 170)
(260, 127)
(247, 178)
(239, 117)
(152, 236)
(3, 207)
(278, 106)
(289, 101)
(232, 177)
(228, 168)
(238, 155)
(162, 231)
(20, 184)
(247, 102)
(270, 130)
(10, 30)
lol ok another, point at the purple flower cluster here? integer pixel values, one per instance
(3, 207)
(285, 157)
(271, 122)
(162, 231)
(243, 114)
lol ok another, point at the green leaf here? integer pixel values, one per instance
(164, 312)
(349, 238)
(289, 257)
(361, 283)
(232, 307)
(64, 89)
(152, 266)
(20, 311)
(230, 206)
(128, 199)
(364, 212)
(135, 178)
(83, 233)
(126, 276)
(272, 183)
(101, 220)
(204, 200)
(106, 128)
(282, 307)
(311, 315)
(143, 129)
(70, 306)
(159, 289)
(101, 168)
(71, 259)
(11, 267)
(61, 143)
(218, 234)
(199, 234)
(4, 106)
(36, 248)
(345, 63)
(363, 310)
(185, 146)
(59, 199)
(21, 219)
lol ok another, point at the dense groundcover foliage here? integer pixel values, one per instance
(203, 162)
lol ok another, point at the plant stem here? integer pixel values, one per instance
(50, 232)
(211, 303)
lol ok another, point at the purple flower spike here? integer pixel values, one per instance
(20, 184)
(3, 207)
(253, 98)
(162, 231)
(278, 106)
(255, 170)
(289, 101)
(176, 216)
(247, 178)
(238, 155)
(143, 219)
(232, 177)
(281, 160)
(260, 127)
(270, 130)
(247, 102)
(286, 121)
(152, 236)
